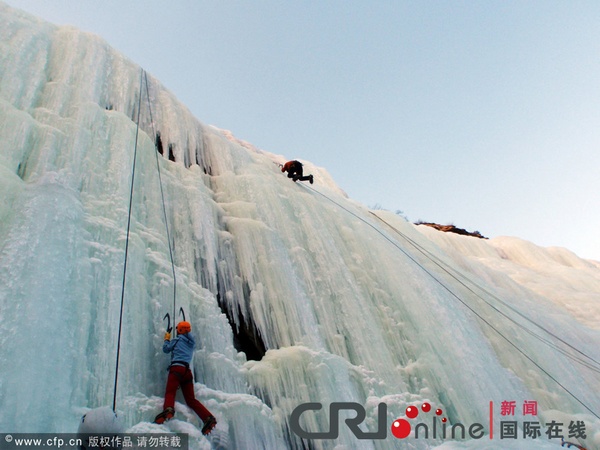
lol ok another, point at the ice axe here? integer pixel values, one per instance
(168, 317)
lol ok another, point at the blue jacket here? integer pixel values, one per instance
(182, 348)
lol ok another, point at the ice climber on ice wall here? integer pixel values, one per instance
(180, 375)
(295, 171)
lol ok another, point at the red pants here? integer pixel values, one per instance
(181, 376)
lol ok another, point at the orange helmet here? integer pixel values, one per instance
(184, 327)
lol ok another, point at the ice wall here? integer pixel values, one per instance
(331, 303)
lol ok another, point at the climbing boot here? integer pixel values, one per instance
(167, 414)
(210, 423)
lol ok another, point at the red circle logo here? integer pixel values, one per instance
(401, 428)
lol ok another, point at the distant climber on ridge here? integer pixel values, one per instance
(180, 375)
(294, 170)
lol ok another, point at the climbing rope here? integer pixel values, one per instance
(395, 244)
(593, 364)
(143, 78)
(137, 132)
(162, 196)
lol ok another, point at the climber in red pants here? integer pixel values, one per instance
(180, 375)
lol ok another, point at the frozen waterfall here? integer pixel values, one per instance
(296, 293)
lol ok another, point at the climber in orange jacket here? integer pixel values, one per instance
(294, 170)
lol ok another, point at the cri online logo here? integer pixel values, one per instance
(401, 428)
(437, 427)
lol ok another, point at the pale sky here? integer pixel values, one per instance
(484, 114)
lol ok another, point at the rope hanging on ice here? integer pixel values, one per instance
(591, 362)
(564, 388)
(162, 196)
(143, 77)
(137, 132)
